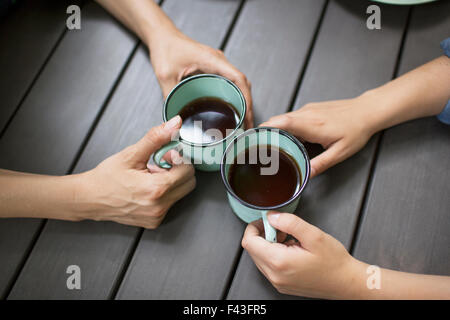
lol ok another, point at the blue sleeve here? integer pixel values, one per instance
(444, 116)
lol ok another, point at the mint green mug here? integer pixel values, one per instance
(265, 136)
(204, 156)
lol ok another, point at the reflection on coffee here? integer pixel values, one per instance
(250, 185)
(204, 114)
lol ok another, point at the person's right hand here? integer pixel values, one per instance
(341, 127)
(124, 189)
(311, 264)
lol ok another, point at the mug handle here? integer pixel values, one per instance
(271, 232)
(158, 155)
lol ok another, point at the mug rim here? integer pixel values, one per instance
(287, 135)
(206, 75)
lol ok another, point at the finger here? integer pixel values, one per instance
(167, 157)
(223, 67)
(155, 139)
(287, 122)
(327, 159)
(174, 158)
(249, 119)
(253, 242)
(178, 174)
(167, 84)
(304, 232)
(281, 236)
(155, 169)
(142, 222)
(262, 267)
(241, 81)
(182, 190)
(294, 124)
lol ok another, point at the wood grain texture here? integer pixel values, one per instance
(192, 254)
(269, 44)
(28, 35)
(175, 260)
(406, 224)
(53, 121)
(346, 60)
(102, 249)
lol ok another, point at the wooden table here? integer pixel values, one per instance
(69, 99)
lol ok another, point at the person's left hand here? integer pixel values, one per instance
(175, 56)
(317, 266)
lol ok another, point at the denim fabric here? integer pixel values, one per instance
(444, 116)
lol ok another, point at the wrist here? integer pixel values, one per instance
(82, 196)
(156, 38)
(375, 111)
(356, 280)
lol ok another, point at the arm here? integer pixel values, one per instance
(420, 93)
(343, 127)
(122, 188)
(39, 196)
(319, 266)
(175, 56)
(143, 17)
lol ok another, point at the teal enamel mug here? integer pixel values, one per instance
(273, 137)
(204, 156)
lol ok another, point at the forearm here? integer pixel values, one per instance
(38, 196)
(398, 285)
(420, 93)
(144, 17)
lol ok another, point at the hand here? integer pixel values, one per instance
(342, 127)
(124, 189)
(317, 266)
(175, 56)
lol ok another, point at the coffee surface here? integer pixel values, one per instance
(261, 190)
(204, 114)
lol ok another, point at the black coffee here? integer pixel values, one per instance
(207, 113)
(251, 186)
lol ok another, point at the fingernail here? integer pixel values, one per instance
(172, 123)
(273, 217)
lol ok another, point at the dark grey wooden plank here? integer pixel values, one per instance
(54, 119)
(347, 59)
(14, 247)
(192, 254)
(269, 44)
(406, 224)
(102, 249)
(27, 37)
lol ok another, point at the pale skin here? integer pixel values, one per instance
(175, 56)
(318, 265)
(343, 127)
(123, 188)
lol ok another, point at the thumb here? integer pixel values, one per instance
(155, 138)
(304, 232)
